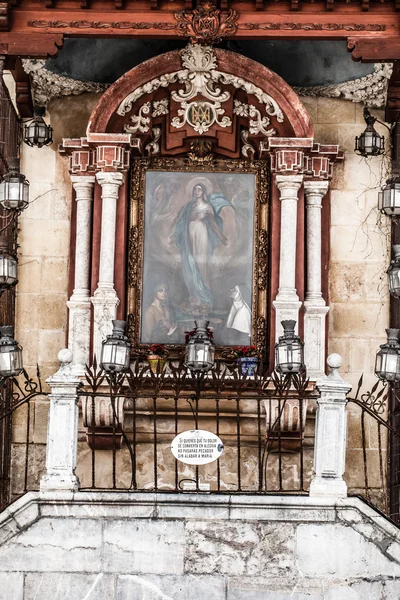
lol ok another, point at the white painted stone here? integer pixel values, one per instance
(144, 546)
(79, 304)
(336, 551)
(314, 304)
(239, 548)
(179, 587)
(55, 545)
(105, 299)
(259, 588)
(12, 586)
(62, 434)
(68, 586)
(330, 434)
(287, 302)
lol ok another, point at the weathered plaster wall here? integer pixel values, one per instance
(148, 547)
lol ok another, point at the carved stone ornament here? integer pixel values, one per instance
(200, 77)
(257, 123)
(248, 150)
(370, 89)
(47, 85)
(206, 24)
(140, 123)
(153, 147)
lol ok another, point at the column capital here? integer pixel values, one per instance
(83, 180)
(314, 189)
(288, 182)
(110, 177)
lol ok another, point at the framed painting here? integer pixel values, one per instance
(198, 249)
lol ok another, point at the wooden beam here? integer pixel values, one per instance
(32, 44)
(374, 49)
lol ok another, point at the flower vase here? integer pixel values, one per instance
(248, 365)
(157, 363)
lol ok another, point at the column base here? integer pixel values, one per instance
(105, 302)
(314, 338)
(327, 487)
(285, 310)
(79, 333)
(58, 483)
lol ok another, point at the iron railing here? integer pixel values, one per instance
(261, 420)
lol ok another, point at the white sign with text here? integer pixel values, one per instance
(197, 447)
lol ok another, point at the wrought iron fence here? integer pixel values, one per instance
(372, 457)
(130, 421)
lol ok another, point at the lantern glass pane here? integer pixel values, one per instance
(10, 361)
(289, 357)
(115, 356)
(394, 280)
(200, 356)
(8, 269)
(387, 365)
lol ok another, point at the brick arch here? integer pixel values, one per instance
(296, 124)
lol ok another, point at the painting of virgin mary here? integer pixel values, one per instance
(199, 241)
(198, 232)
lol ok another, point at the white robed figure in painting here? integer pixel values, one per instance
(239, 317)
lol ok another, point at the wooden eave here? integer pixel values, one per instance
(37, 27)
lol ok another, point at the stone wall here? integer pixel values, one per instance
(191, 547)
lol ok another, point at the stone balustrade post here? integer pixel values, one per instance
(105, 299)
(79, 304)
(314, 304)
(62, 434)
(287, 302)
(330, 434)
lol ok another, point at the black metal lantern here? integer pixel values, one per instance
(394, 273)
(14, 187)
(369, 143)
(389, 197)
(289, 351)
(37, 133)
(115, 350)
(8, 269)
(10, 353)
(200, 349)
(387, 363)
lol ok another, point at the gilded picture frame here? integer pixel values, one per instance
(198, 248)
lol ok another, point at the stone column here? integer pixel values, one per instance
(105, 300)
(315, 308)
(62, 435)
(79, 303)
(287, 302)
(330, 434)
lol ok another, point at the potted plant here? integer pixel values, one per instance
(247, 359)
(157, 357)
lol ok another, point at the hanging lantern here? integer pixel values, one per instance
(369, 143)
(115, 350)
(10, 353)
(37, 133)
(200, 349)
(289, 351)
(8, 269)
(14, 187)
(387, 363)
(389, 197)
(394, 273)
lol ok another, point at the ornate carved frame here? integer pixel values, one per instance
(260, 243)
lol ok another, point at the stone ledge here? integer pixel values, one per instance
(91, 505)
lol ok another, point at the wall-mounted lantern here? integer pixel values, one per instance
(37, 133)
(200, 349)
(10, 353)
(289, 351)
(115, 350)
(369, 143)
(14, 188)
(387, 363)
